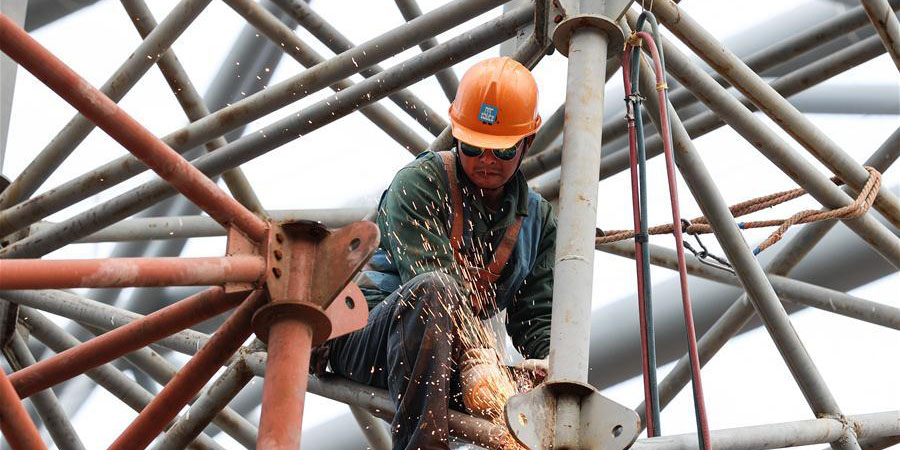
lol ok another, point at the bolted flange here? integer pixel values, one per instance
(565, 16)
(347, 313)
(308, 268)
(563, 32)
(604, 424)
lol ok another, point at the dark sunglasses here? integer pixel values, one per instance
(503, 154)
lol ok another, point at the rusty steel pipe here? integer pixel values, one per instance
(16, 426)
(284, 390)
(190, 379)
(279, 133)
(120, 341)
(128, 272)
(107, 115)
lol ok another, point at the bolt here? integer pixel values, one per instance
(278, 255)
(279, 237)
(277, 272)
(558, 18)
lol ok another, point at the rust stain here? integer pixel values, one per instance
(104, 105)
(112, 273)
(179, 138)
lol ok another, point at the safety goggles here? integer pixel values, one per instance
(503, 154)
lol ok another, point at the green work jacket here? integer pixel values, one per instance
(414, 217)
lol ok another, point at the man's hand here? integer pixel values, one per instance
(539, 368)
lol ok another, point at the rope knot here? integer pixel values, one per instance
(854, 210)
(700, 225)
(866, 196)
(688, 227)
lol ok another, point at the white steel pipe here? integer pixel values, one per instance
(574, 270)
(781, 435)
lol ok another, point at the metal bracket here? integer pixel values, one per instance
(542, 10)
(566, 15)
(240, 244)
(14, 362)
(9, 312)
(604, 424)
(309, 268)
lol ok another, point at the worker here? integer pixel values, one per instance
(459, 229)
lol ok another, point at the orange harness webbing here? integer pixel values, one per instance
(491, 273)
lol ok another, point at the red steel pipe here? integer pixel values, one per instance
(97, 107)
(191, 378)
(123, 340)
(128, 272)
(16, 426)
(287, 369)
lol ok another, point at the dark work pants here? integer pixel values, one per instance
(408, 347)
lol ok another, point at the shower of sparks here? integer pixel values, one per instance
(488, 382)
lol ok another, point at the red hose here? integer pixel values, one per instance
(638, 254)
(665, 132)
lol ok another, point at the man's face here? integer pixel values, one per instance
(487, 170)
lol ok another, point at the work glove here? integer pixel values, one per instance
(537, 368)
(484, 386)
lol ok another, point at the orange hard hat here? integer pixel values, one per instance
(496, 104)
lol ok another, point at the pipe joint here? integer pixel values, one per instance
(308, 267)
(564, 31)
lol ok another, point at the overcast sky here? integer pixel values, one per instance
(349, 162)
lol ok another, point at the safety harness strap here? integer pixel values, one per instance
(503, 252)
(456, 227)
(491, 273)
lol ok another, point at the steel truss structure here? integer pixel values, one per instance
(287, 280)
